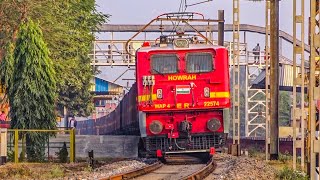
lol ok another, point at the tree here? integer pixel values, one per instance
(68, 28)
(7, 66)
(284, 109)
(32, 89)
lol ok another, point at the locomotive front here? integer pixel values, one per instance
(183, 96)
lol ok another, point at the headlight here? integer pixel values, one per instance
(206, 92)
(213, 124)
(156, 127)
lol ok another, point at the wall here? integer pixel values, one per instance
(102, 146)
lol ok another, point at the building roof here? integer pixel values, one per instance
(105, 78)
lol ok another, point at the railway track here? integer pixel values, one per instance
(191, 169)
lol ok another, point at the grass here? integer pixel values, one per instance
(56, 172)
(290, 174)
(282, 166)
(48, 170)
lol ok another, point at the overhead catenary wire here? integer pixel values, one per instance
(197, 3)
(183, 3)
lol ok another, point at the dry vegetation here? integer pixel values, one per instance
(283, 166)
(39, 170)
(12, 171)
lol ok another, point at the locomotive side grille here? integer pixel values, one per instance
(200, 142)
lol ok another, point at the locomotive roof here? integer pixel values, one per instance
(172, 47)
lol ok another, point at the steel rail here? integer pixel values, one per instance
(204, 172)
(135, 173)
(200, 174)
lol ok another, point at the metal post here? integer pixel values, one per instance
(314, 90)
(16, 147)
(3, 149)
(236, 77)
(111, 48)
(247, 70)
(94, 55)
(221, 27)
(274, 87)
(267, 81)
(298, 112)
(72, 145)
(66, 117)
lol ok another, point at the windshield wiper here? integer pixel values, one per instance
(158, 71)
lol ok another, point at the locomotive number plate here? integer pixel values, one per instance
(211, 103)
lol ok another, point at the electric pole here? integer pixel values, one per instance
(274, 86)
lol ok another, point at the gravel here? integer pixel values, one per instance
(108, 170)
(228, 168)
(239, 168)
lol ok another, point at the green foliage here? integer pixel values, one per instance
(6, 66)
(10, 156)
(22, 157)
(88, 169)
(285, 157)
(290, 174)
(70, 42)
(68, 28)
(63, 153)
(32, 89)
(56, 172)
(284, 109)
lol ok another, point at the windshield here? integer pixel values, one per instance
(164, 63)
(199, 62)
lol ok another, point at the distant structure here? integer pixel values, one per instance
(107, 95)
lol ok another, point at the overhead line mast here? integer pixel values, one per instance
(299, 112)
(314, 88)
(267, 81)
(274, 78)
(236, 79)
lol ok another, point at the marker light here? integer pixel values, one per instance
(159, 94)
(146, 44)
(206, 92)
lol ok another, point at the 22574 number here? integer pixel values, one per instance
(211, 103)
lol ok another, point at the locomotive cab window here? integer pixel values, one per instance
(164, 63)
(199, 62)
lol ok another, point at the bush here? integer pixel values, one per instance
(63, 153)
(22, 157)
(285, 157)
(56, 172)
(290, 174)
(10, 156)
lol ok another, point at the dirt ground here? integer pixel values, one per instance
(239, 168)
(229, 167)
(72, 171)
(37, 170)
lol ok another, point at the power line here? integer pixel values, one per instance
(197, 3)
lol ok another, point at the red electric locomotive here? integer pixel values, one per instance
(183, 95)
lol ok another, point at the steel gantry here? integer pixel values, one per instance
(299, 82)
(314, 88)
(236, 77)
(255, 98)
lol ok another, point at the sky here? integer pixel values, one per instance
(142, 11)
